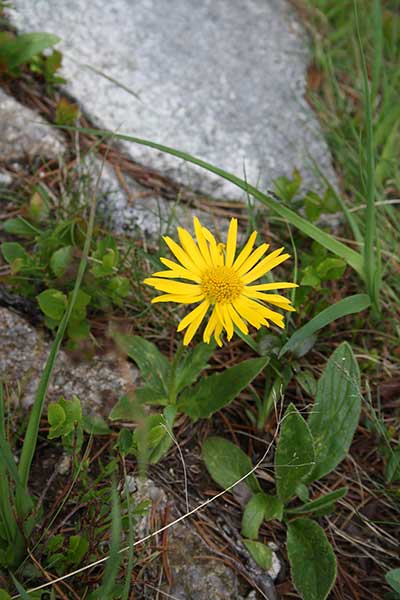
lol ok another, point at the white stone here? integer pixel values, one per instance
(222, 80)
(24, 134)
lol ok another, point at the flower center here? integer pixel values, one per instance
(221, 284)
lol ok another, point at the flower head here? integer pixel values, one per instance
(220, 281)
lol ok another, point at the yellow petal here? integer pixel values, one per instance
(173, 287)
(246, 251)
(183, 273)
(238, 321)
(276, 299)
(269, 262)
(254, 317)
(265, 313)
(231, 243)
(201, 309)
(210, 327)
(191, 248)
(217, 333)
(181, 255)
(279, 285)
(194, 325)
(227, 320)
(253, 258)
(201, 240)
(177, 274)
(177, 298)
(217, 258)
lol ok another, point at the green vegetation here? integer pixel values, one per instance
(299, 419)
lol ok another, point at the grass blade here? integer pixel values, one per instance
(114, 560)
(6, 514)
(21, 590)
(371, 256)
(347, 306)
(354, 259)
(29, 445)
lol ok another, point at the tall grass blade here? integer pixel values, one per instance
(114, 560)
(21, 590)
(6, 514)
(29, 445)
(354, 259)
(347, 306)
(371, 253)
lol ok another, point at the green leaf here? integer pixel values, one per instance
(61, 259)
(347, 306)
(227, 463)
(253, 516)
(261, 553)
(81, 303)
(152, 439)
(294, 456)
(4, 595)
(218, 390)
(55, 543)
(21, 227)
(12, 250)
(273, 508)
(78, 330)
(53, 303)
(127, 408)
(95, 425)
(313, 206)
(393, 579)
(336, 411)
(303, 492)
(20, 589)
(323, 502)
(392, 469)
(56, 417)
(124, 442)
(24, 47)
(63, 416)
(260, 507)
(312, 559)
(154, 367)
(331, 269)
(78, 546)
(192, 364)
(149, 395)
(307, 381)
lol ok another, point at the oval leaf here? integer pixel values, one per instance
(52, 303)
(218, 390)
(227, 463)
(336, 411)
(294, 457)
(260, 507)
(261, 553)
(311, 558)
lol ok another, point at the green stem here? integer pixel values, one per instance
(29, 445)
(6, 514)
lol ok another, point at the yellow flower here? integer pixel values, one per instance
(220, 282)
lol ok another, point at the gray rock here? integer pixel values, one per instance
(195, 577)
(136, 209)
(223, 80)
(23, 134)
(23, 353)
